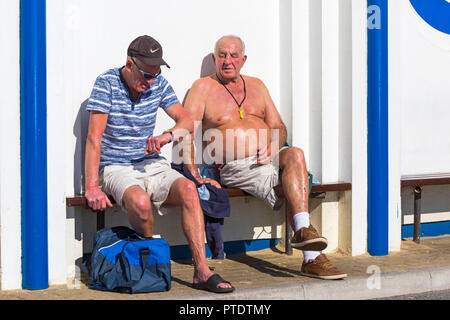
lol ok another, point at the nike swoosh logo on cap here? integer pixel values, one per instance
(153, 51)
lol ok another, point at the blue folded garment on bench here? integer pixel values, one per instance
(214, 201)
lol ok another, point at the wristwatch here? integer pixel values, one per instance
(171, 134)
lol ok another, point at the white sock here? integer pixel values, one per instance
(310, 255)
(301, 220)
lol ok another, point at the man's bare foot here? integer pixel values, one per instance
(205, 279)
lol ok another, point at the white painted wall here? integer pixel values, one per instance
(425, 66)
(311, 54)
(328, 111)
(10, 228)
(355, 240)
(309, 72)
(83, 43)
(419, 113)
(395, 21)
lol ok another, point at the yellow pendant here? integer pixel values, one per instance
(240, 113)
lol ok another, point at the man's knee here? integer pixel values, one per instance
(188, 191)
(293, 154)
(140, 204)
(297, 153)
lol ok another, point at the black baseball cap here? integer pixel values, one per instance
(147, 50)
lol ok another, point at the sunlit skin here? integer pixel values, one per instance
(211, 105)
(135, 80)
(183, 192)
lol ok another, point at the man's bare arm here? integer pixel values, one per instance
(183, 125)
(97, 200)
(182, 120)
(195, 108)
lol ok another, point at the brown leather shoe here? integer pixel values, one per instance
(321, 268)
(308, 239)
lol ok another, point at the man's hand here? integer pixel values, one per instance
(154, 144)
(97, 199)
(213, 182)
(264, 155)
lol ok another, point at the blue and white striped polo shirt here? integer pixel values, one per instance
(129, 123)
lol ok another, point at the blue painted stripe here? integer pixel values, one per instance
(33, 144)
(435, 12)
(377, 139)
(430, 229)
(182, 252)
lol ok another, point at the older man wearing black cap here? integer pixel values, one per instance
(123, 153)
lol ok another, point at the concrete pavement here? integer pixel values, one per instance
(272, 275)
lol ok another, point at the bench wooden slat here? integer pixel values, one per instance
(424, 182)
(232, 193)
(342, 186)
(80, 200)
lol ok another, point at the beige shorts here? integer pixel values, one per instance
(155, 176)
(257, 180)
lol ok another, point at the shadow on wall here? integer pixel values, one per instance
(80, 130)
(208, 66)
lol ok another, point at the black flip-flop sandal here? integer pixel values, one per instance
(211, 285)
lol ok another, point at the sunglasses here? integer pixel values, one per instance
(146, 75)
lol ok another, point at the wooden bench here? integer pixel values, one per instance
(417, 182)
(317, 191)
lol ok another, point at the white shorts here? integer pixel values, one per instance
(155, 176)
(255, 179)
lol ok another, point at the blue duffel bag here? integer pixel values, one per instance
(121, 261)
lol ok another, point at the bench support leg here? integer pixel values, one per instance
(417, 210)
(288, 233)
(100, 219)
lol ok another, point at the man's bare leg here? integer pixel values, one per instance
(295, 179)
(183, 193)
(295, 186)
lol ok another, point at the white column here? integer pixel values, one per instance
(357, 244)
(10, 214)
(345, 91)
(334, 74)
(330, 91)
(64, 132)
(307, 82)
(301, 75)
(77, 118)
(397, 20)
(285, 107)
(56, 154)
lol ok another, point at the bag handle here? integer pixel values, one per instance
(144, 254)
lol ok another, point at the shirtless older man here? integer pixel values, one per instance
(248, 133)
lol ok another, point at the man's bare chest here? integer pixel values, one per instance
(222, 106)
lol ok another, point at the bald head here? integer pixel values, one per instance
(229, 37)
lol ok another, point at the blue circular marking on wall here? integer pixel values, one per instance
(435, 12)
